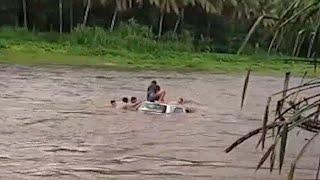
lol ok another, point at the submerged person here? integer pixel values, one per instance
(180, 101)
(134, 104)
(190, 110)
(113, 103)
(120, 105)
(124, 104)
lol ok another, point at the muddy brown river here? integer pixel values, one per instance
(56, 124)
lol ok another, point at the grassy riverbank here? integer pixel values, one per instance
(130, 49)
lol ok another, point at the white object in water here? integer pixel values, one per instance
(155, 107)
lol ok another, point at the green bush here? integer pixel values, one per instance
(128, 37)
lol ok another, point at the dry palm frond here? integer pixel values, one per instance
(294, 163)
(245, 87)
(297, 107)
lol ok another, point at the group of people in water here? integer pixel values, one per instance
(154, 94)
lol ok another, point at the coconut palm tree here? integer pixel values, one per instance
(71, 14)
(60, 16)
(181, 5)
(315, 33)
(25, 19)
(276, 16)
(165, 6)
(86, 14)
(298, 9)
(120, 5)
(177, 6)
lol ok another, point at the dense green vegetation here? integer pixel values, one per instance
(223, 26)
(130, 47)
(201, 35)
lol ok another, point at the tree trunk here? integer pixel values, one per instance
(179, 20)
(182, 18)
(273, 41)
(208, 36)
(313, 37)
(279, 41)
(300, 45)
(296, 44)
(160, 24)
(71, 15)
(113, 22)
(16, 12)
(25, 20)
(177, 25)
(86, 14)
(252, 30)
(60, 16)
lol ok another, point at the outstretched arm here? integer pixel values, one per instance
(132, 106)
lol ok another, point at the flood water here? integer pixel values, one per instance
(56, 124)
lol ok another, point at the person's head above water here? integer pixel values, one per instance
(154, 82)
(158, 88)
(113, 103)
(152, 87)
(190, 110)
(180, 101)
(133, 100)
(125, 100)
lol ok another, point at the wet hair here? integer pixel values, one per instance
(157, 88)
(189, 110)
(133, 99)
(125, 100)
(180, 100)
(154, 82)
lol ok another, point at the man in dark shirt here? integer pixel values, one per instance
(154, 93)
(151, 92)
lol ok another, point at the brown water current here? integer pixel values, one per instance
(55, 124)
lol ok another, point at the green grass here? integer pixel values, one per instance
(130, 48)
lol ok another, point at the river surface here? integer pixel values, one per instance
(56, 124)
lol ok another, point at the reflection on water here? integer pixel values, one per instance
(55, 124)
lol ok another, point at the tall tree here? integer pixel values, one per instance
(25, 20)
(181, 5)
(315, 33)
(253, 28)
(297, 42)
(180, 18)
(120, 5)
(165, 6)
(114, 17)
(71, 14)
(60, 16)
(86, 14)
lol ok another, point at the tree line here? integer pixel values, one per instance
(277, 26)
